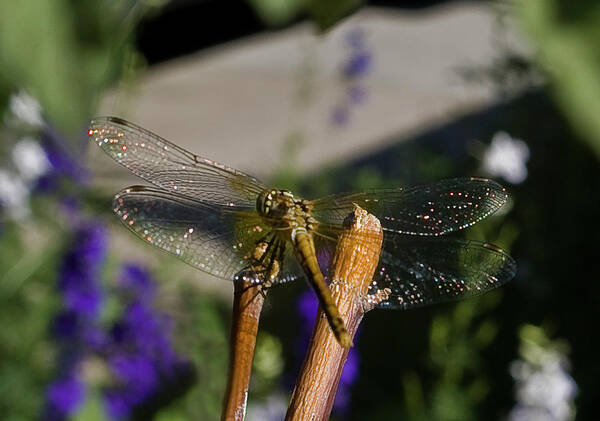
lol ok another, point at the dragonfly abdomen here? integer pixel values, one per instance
(304, 247)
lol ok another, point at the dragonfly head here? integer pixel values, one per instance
(274, 204)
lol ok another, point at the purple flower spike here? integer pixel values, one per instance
(357, 94)
(307, 307)
(137, 282)
(347, 379)
(117, 404)
(137, 373)
(137, 349)
(79, 274)
(358, 65)
(356, 38)
(82, 300)
(62, 161)
(340, 115)
(75, 327)
(63, 398)
(66, 325)
(142, 358)
(353, 71)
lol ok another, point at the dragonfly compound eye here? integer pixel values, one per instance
(274, 204)
(264, 201)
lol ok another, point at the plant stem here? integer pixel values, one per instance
(247, 305)
(354, 264)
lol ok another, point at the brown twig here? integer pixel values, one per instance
(354, 264)
(247, 305)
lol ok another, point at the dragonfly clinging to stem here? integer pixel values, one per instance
(227, 223)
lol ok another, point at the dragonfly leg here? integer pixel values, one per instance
(269, 253)
(267, 247)
(275, 260)
(372, 300)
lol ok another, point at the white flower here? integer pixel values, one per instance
(544, 388)
(26, 108)
(506, 158)
(14, 195)
(272, 409)
(30, 159)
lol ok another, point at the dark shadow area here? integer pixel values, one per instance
(185, 26)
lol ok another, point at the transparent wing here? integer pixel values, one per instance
(325, 247)
(217, 240)
(171, 167)
(433, 209)
(418, 271)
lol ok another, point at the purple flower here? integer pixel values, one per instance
(66, 325)
(80, 271)
(75, 332)
(358, 64)
(137, 379)
(148, 332)
(136, 281)
(356, 38)
(75, 327)
(340, 115)
(357, 94)
(307, 306)
(64, 396)
(137, 348)
(62, 159)
(347, 379)
(141, 356)
(117, 404)
(354, 69)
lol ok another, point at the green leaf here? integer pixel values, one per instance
(277, 12)
(567, 35)
(324, 13)
(64, 53)
(327, 13)
(92, 410)
(47, 66)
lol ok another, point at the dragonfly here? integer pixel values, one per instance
(226, 223)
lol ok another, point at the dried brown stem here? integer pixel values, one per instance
(354, 264)
(247, 305)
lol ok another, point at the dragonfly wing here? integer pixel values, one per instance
(433, 209)
(291, 268)
(418, 271)
(171, 167)
(325, 247)
(215, 239)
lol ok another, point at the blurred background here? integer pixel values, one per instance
(318, 97)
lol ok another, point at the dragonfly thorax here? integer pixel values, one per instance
(282, 209)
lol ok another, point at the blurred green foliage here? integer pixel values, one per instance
(65, 53)
(27, 301)
(324, 13)
(457, 339)
(567, 35)
(203, 336)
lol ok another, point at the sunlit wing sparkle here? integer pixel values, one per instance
(171, 167)
(216, 239)
(205, 213)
